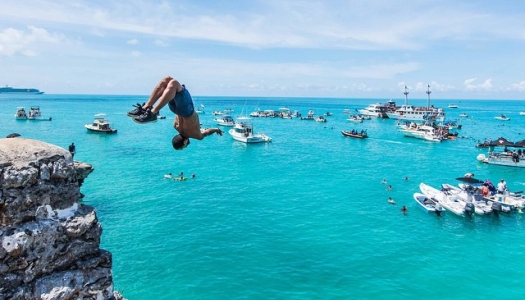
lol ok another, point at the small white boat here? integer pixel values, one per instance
(225, 121)
(35, 114)
(217, 113)
(452, 106)
(355, 118)
(464, 115)
(100, 125)
(201, 110)
(449, 202)
(243, 132)
(522, 113)
(20, 113)
(429, 205)
(502, 118)
(310, 116)
(320, 119)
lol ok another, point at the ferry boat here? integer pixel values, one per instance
(20, 91)
(413, 113)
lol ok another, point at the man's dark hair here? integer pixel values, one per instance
(179, 142)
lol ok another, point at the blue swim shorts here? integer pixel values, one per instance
(182, 104)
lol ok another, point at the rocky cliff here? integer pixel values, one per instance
(50, 243)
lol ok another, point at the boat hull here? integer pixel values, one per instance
(106, 131)
(501, 160)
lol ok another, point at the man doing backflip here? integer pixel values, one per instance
(170, 91)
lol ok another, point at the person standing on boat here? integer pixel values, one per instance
(502, 186)
(170, 91)
(72, 149)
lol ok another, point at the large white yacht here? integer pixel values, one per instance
(374, 110)
(417, 113)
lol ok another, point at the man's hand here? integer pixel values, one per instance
(219, 131)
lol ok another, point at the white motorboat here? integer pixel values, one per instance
(285, 113)
(502, 117)
(452, 106)
(510, 200)
(100, 125)
(464, 115)
(269, 113)
(428, 204)
(243, 132)
(320, 119)
(225, 121)
(500, 153)
(35, 114)
(217, 113)
(449, 202)
(310, 116)
(481, 206)
(420, 131)
(201, 110)
(355, 119)
(21, 113)
(374, 110)
(522, 113)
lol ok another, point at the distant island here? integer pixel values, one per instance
(11, 90)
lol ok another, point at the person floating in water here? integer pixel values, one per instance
(391, 201)
(389, 188)
(384, 181)
(404, 210)
(170, 91)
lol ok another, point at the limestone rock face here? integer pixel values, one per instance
(49, 241)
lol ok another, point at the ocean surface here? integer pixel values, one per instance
(303, 217)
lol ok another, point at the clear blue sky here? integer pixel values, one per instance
(350, 49)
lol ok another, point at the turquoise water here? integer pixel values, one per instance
(304, 217)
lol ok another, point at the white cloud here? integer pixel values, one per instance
(132, 42)
(14, 41)
(471, 86)
(136, 53)
(161, 43)
(518, 86)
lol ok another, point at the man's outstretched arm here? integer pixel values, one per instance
(210, 131)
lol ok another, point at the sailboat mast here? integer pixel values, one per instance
(428, 93)
(406, 95)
